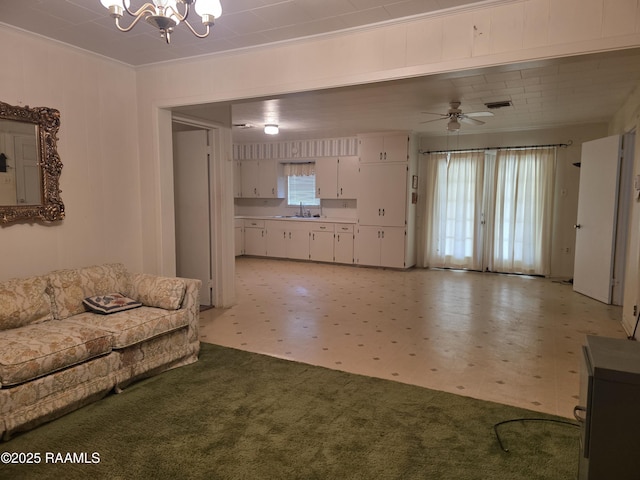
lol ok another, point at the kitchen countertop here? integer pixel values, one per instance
(298, 219)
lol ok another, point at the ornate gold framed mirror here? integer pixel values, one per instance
(30, 166)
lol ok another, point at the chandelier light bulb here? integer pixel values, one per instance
(208, 7)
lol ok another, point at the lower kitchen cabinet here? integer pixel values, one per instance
(380, 246)
(343, 244)
(321, 242)
(308, 239)
(287, 239)
(255, 241)
(239, 237)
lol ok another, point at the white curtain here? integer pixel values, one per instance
(520, 240)
(299, 169)
(489, 210)
(453, 235)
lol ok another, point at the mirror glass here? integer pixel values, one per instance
(29, 164)
(20, 177)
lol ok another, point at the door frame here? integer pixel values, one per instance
(221, 207)
(624, 209)
(192, 248)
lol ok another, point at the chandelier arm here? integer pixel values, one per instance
(147, 7)
(199, 35)
(133, 24)
(179, 16)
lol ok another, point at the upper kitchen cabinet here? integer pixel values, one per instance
(383, 148)
(337, 177)
(261, 179)
(383, 195)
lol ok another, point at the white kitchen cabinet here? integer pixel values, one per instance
(237, 179)
(321, 242)
(343, 243)
(383, 194)
(239, 237)
(381, 246)
(261, 179)
(386, 200)
(255, 241)
(383, 148)
(287, 239)
(337, 177)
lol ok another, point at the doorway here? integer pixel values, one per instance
(192, 196)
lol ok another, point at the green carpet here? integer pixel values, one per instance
(238, 415)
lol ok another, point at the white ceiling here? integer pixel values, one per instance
(544, 94)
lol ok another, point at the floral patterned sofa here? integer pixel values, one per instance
(57, 353)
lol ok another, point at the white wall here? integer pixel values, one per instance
(97, 144)
(567, 176)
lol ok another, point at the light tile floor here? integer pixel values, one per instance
(505, 338)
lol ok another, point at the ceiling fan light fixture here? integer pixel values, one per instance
(453, 125)
(271, 129)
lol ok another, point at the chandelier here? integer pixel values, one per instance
(165, 14)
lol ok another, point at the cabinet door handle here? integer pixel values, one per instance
(255, 190)
(273, 191)
(284, 235)
(380, 155)
(289, 235)
(340, 191)
(379, 212)
(323, 228)
(385, 155)
(382, 234)
(383, 212)
(313, 236)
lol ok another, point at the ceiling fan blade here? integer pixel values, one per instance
(439, 114)
(435, 120)
(470, 121)
(479, 114)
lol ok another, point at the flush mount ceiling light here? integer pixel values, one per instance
(165, 14)
(271, 129)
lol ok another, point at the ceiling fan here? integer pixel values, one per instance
(455, 117)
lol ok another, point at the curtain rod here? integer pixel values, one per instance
(519, 147)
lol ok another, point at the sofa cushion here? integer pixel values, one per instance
(35, 350)
(70, 287)
(110, 303)
(135, 326)
(23, 302)
(154, 291)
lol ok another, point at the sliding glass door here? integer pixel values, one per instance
(490, 210)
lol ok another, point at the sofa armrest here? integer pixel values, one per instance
(191, 303)
(171, 293)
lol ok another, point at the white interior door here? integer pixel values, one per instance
(192, 200)
(596, 221)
